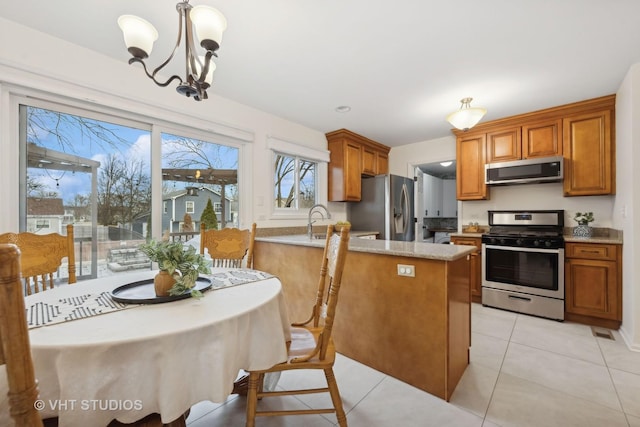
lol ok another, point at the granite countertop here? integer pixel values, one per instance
(479, 234)
(363, 233)
(384, 247)
(600, 235)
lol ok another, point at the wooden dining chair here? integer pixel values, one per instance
(311, 345)
(229, 246)
(15, 352)
(42, 255)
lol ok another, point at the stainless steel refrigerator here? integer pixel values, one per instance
(386, 207)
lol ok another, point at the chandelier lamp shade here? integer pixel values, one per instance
(466, 117)
(206, 22)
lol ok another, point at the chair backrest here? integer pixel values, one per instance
(331, 269)
(228, 247)
(41, 256)
(15, 352)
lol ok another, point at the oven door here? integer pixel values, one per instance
(528, 270)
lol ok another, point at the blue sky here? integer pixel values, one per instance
(134, 147)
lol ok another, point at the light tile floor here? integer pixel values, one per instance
(524, 371)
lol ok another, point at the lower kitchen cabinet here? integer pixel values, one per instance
(475, 265)
(593, 284)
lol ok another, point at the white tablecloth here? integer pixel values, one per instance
(160, 358)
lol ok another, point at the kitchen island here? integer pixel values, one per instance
(414, 327)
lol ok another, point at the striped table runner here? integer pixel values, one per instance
(88, 305)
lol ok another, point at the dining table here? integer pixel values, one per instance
(98, 359)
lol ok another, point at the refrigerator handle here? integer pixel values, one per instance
(405, 207)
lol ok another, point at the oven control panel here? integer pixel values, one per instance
(524, 241)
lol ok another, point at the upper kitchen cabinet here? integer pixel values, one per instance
(582, 132)
(352, 156)
(542, 139)
(531, 140)
(504, 145)
(470, 160)
(589, 167)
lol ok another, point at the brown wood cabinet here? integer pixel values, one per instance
(582, 132)
(352, 156)
(589, 167)
(531, 140)
(416, 329)
(475, 265)
(471, 155)
(593, 284)
(504, 145)
(542, 139)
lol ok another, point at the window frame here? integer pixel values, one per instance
(156, 125)
(279, 146)
(187, 204)
(297, 160)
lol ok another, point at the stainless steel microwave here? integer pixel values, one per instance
(544, 169)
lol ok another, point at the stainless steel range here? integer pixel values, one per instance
(523, 262)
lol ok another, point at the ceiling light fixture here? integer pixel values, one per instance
(209, 24)
(466, 117)
(343, 109)
(445, 164)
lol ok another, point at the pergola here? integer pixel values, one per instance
(221, 177)
(44, 158)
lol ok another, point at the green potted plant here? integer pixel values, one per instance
(583, 219)
(179, 267)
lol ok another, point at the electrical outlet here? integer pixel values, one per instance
(406, 270)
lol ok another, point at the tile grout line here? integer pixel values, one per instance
(606, 364)
(484, 418)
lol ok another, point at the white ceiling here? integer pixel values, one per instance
(401, 66)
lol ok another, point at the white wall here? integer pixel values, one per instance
(538, 196)
(403, 159)
(627, 203)
(43, 63)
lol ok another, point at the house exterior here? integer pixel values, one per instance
(193, 201)
(45, 215)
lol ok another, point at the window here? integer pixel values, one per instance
(92, 173)
(207, 171)
(91, 168)
(43, 224)
(295, 182)
(217, 207)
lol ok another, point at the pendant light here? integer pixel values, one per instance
(466, 117)
(207, 23)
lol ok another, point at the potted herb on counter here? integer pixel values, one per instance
(583, 229)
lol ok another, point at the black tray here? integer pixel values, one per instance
(143, 292)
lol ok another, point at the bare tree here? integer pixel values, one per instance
(47, 122)
(285, 168)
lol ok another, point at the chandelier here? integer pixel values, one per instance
(209, 24)
(466, 117)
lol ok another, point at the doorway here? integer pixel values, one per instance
(439, 214)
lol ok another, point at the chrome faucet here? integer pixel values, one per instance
(311, 212)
